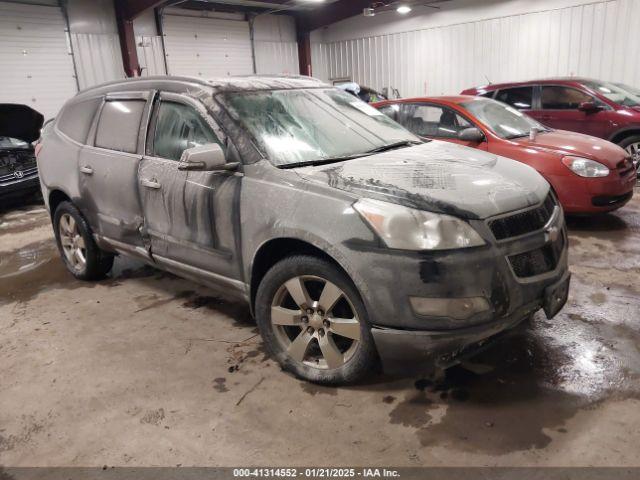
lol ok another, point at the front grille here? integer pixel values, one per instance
(11, 177)
(539, 261)
(523, 222)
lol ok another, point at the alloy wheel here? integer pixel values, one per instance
(73, 245)
(315, 322)
(633, 149)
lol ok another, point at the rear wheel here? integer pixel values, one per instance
(313, 321)
(78, 250)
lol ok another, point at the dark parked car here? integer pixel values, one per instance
(19, 127)
(349, 237)
(593, 107)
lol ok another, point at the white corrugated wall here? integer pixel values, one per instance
(98, 58)
(36, 67)
(598, 39)
(275, 43)
(150, 55)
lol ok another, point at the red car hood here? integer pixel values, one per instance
(572, 143)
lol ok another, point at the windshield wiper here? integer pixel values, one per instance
(393, 146)
(324, 161)
(321, 161)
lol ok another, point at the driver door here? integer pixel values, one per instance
(190, 217)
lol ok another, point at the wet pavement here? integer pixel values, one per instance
(144, 368)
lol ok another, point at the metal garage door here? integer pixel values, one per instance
(207, 47)
(35, 65)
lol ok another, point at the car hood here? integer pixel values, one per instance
(20, 121)
(439, 177)
(563, 143)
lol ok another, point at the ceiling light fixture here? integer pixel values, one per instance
(403, 9)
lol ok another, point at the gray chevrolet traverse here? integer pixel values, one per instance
(352, 240)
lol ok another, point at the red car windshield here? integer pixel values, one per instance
(505, 121)
(615, 93)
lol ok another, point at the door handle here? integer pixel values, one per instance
(86, 169)
(150, 183)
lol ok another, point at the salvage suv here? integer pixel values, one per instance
(351, 239)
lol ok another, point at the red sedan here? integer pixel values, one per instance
(588, 174)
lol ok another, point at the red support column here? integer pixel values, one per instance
(304, 53)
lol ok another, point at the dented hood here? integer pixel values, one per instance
(20, 121)
(439, 177)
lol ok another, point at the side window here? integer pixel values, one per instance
(178, 128)
(487, 94)
(119, 125)
(518, 97)
(563, 98)
(432, 121)
(391, 111)
(77, 118)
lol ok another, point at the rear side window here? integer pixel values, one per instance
(119, 125)
(432, 121)
(77, 118)
(563, 98)
(178, 128)
(518, 97)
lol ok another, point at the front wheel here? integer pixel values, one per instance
(313, 321)
(79, 252)
(632, 146)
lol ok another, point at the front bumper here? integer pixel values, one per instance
(494, 272)
(419, 352)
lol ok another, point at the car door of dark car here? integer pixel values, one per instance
(560, 109)
(108, 167)
(191, 217)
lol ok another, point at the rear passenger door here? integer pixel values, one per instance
(191, 217)
(108, 167)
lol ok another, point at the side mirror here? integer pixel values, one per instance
(471, 134)
(589, 107)
(206, 158)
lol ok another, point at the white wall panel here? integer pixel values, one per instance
(151, 55)
(36, 65)
(596, 39)
(207, 47)
(275, 43)
(98, 58)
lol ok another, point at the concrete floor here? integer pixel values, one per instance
(147, 369)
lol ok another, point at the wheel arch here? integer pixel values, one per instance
(276, 249)
(620, 135)
(55, 198)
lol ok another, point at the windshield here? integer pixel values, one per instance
(311, 125)
(8, 142)
(615, 93)
(505, 121)
(633, 90)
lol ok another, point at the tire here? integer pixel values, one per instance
(73, 236)
(332, 348)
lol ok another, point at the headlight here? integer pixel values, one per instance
(409, 229)
(585, 167)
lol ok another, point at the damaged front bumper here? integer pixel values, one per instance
(464, 297)
(418, 351)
